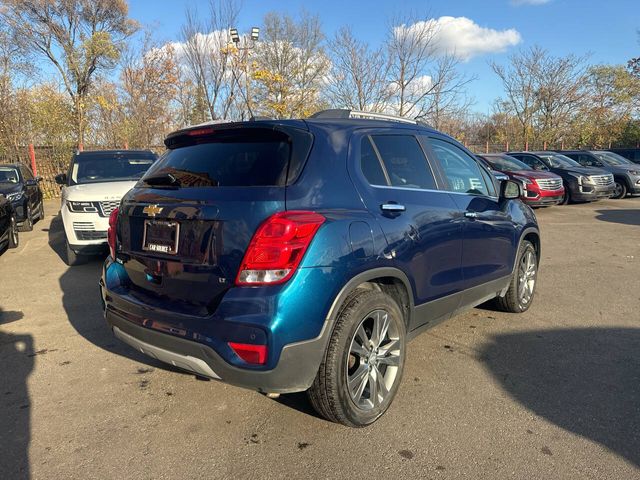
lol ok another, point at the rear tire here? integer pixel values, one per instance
(72, 258)
(27, 225)
(362, 368)
(520, 293)
(14, 239)
(621, 190)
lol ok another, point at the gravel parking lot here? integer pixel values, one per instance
(552, 393)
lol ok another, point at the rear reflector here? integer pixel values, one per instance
(277, 247)
(255, 354)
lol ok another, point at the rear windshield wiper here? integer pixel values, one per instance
(165, 179)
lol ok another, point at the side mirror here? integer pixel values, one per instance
(31, 182)
(61, 179)
(510, 190)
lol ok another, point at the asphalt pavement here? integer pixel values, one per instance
(552, 393)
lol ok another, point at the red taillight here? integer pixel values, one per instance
(256, 354)
(111, 233)
(277, 247)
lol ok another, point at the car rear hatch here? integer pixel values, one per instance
(184, 229)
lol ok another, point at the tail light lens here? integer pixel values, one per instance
(255, 354)
(111, 232)
(277, 247)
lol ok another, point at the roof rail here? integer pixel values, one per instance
(346, 113)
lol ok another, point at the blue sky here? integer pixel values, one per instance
(606, 30)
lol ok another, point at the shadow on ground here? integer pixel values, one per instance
(17, 358)
(586, 381)
(82, 304)
(625, 217)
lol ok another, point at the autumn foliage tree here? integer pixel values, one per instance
(79, 38)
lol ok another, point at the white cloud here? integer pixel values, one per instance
(462, 37)
(529, 2)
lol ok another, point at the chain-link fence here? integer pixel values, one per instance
(52, 160)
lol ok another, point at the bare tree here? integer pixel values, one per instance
(291, 65)
(424, 82)
(207, 56)
(359, 74)
(560, 87)
(149, 78)
(519, 80)
(78, 37)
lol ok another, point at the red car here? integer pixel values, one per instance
(540, 189)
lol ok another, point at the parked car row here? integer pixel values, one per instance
(21, 203)
(561, 177)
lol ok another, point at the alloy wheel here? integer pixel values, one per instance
(374, 359)
(618, 191)
(527, 272)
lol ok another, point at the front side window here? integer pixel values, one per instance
(400, 162)
(462, 172)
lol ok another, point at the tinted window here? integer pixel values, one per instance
(404, 161)
(462, 171)
(232, 158)
(532, 162)
(101, 167)
(584, 160)
(370, 164)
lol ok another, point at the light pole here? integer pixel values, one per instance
(244, 51)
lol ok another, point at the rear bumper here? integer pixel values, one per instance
(294, 372)
(291, 323)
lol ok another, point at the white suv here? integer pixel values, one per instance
(92, 188)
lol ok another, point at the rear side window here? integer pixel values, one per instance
(236, 158)
(403, 161)
(370, 164)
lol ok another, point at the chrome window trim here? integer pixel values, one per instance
(434, 191)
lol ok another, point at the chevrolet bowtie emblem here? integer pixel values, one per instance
(152, 210)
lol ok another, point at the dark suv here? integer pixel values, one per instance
(293, 255)
(626, 174)
(22, 188)
(581, 184)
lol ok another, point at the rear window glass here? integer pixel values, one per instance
(234, 158)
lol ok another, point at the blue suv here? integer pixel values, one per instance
(303, 255)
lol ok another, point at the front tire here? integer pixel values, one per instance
(362, 368)
(14, 239)
(72, 258)
(521, 290)
(621, 190)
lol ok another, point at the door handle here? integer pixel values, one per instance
(392, 207)
(471, 214)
